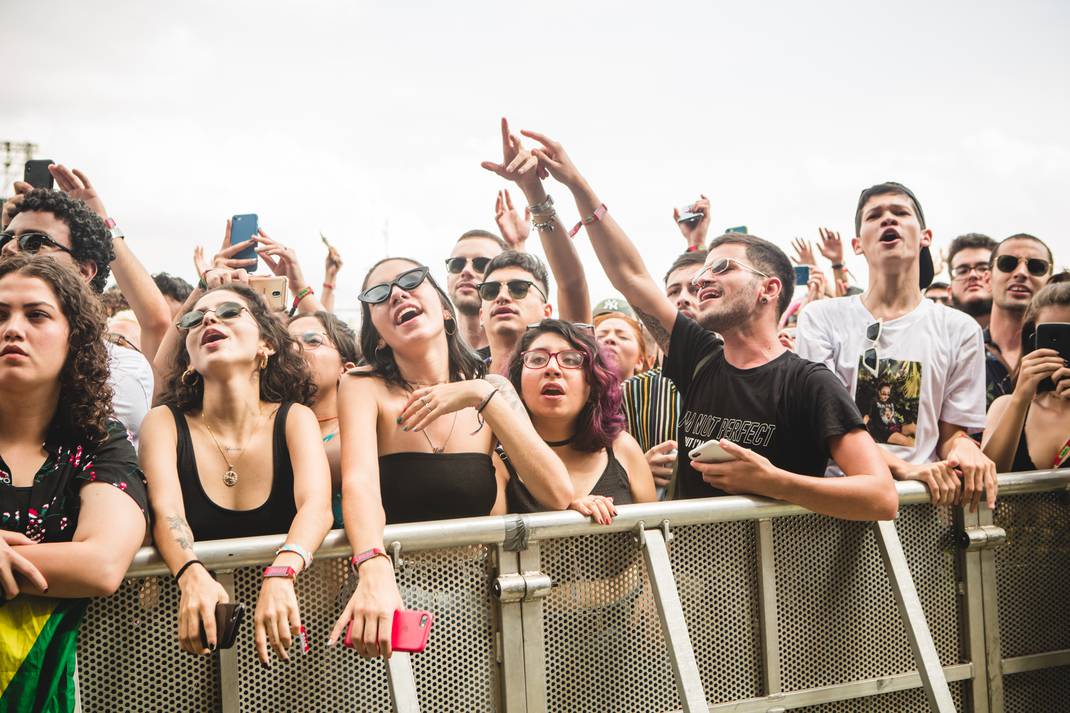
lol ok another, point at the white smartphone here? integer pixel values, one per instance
(711, 452)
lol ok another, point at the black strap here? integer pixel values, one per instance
(183, 568)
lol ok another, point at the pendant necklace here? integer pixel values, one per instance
(230, 477)
(439, 449)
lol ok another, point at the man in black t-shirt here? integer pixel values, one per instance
(780, 416)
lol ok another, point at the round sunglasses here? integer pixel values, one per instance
(720, 267)
(455, 265)
(32, 242)
(226, 311)
(1010, 263)
(566, 358)
(518, 289)
(408, 280)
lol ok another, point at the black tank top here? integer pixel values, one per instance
(416, 487)
(612, 483)
(210, 521)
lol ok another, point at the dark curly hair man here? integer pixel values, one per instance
(72, 230)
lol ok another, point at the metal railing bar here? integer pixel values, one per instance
(974, 615)
(249, 551)
(770, 629)
(227, 660)
(402, 684)
(1036, 662)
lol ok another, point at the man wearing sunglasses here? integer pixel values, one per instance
(891, 340)
(464, 271)
(513, 295)
(1020, 266)
(969, 259)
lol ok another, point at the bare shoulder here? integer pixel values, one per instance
(627, 449)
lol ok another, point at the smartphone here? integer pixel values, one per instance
(228, 618)
(409, 632)
(1052, 335)
(802, 275)
(37, 174)
(688, 214)
(242, 228)
(272, 289)
(711, 452)
(737, 229)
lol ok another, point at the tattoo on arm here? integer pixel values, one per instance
(181, 531)
(507, 392)
(657, 331)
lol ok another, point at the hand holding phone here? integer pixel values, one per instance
(228, 618)
(37, 174)
(409, 632)
(243, 227)
(711, 452)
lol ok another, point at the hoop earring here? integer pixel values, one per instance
(189, 376)
(262, 361)
(446, 327)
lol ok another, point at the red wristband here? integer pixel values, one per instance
(598, 214)
(363, 557)
(276, 571)
(694, 248)
(329, 284)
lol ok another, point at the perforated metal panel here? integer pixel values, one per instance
(911, 701)
(716, 570)
(604, 648)
(838, 618)
(129, 660)
(1033, 573)
(1046, 690)
(455, 673)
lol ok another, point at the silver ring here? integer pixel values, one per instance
(428, 406)
(423, 400)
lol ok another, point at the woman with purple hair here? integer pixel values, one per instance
(574, 399)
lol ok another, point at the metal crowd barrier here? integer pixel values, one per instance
(732, 604)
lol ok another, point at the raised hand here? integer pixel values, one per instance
(695, 232)
(514, 229)
(225, 256)
(804, 252)
(280, 259)
(518, 164)
(76, 184)
(21, 189)
(199, 263)
(334, 263)
(830, 246)
(940, 262)
(554, 160)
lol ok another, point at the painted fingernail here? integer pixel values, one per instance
(404, 428)
(266, 665)
(399, 419)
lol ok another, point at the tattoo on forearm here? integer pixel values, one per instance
(658, 332)
(181, 531)
(507, 392)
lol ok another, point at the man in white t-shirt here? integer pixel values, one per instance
(915, 368)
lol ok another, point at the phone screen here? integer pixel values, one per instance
(242, 228)
(802, 275)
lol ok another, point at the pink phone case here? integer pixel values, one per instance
(410, 631)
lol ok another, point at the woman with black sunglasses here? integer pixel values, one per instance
(419, 426)
(235, 452)
(573, 396)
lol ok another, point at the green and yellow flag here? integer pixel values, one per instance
(38, 641)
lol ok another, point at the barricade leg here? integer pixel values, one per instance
(917, 629)
(402, 684)
(673, 625)
(993, 648)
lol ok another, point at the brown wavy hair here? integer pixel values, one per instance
(84, 393)
(285, 378)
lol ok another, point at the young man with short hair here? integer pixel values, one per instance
(514, 295)
(938, 292)
(1021, 265)
(777, 416)
(968, 264)
(465, 266)
(913, 362)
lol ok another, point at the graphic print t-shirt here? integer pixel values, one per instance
(785, 410)
(930, 368)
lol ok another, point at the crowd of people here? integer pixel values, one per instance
(159, 411)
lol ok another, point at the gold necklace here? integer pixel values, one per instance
(439, 449)
(230, 477)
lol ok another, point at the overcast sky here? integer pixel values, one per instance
(368, 120)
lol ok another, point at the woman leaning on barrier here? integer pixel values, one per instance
(418, 425)
(234, 452)
(72, 498)
(1029, 429)
(329, 347)
(574, 400)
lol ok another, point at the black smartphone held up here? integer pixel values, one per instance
(1052, 335)
(37, 174)
(242, 228)
(802, 275)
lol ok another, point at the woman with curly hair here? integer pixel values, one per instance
(72, 498)
(573, 396)
(418, 428)
(235, 452)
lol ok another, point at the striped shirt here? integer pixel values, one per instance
(651, 407)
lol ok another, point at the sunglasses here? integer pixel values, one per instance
(870, 357)
(566, 358)
(408, 280)
(518, 289)
(720, 267)
(313, 340)
(1035, 266)
(454, 265)
(981, 268)
(226, 311)
(32, 242)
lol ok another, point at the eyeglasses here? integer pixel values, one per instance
(408, 280)
(582, 326)
(226, 311)
(870, 357)
(960, 272)
(719, 267)
(454, 265)
(1035, 266)
(116, 338)
(313, 340)
(32, 242)
(518, 289)
(566, 358)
